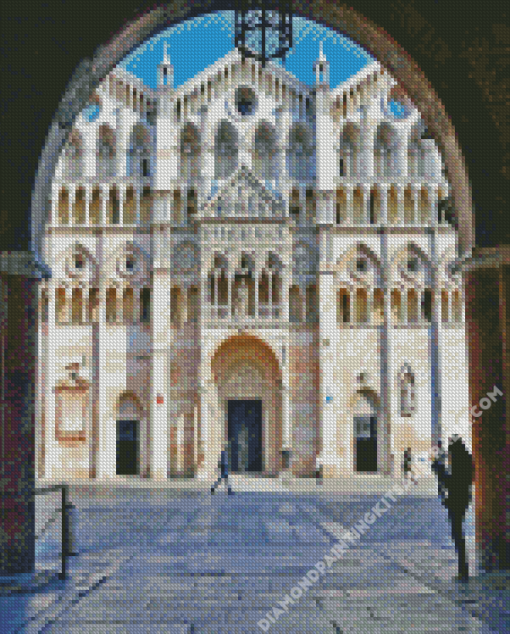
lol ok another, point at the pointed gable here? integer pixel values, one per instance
(244, 196)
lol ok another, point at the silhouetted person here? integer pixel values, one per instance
(407, 465)
(223, 466)
(441, 491)
(456, 483)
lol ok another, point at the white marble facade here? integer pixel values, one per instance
(246, 236)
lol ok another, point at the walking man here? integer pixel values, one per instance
(456, 483)
(223, 466)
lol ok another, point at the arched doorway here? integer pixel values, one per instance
(247, 406)
(366, 446)
(128, 440)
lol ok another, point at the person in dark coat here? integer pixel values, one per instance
(223, 466)
(456, 482)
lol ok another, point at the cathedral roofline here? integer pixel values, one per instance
(132, 80)
(232, 56)
(354, 80)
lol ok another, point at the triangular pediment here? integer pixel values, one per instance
(244, 196)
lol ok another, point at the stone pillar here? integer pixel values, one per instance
(89, 156)
(256, 289)
(384, 204)
(385, 449)
(119, 308)
(122, 132)
(105, 195)
(71, 188)
(158, 467)
(19, 278)
(327, 336)
(434, 342)
(433, 203)
(400, 205)
(122, 198)
(230, 301)
(136, 195)
(105, 454)
(416, 207)
(206, 155)
(270, 292)
(51, 459)
(349, 193)
(366, 204)
(487, 283)
(85, 305)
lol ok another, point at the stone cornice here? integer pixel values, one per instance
(23, 263)
(492, 257)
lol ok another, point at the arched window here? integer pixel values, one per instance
(106, 150)
(77, 306)
(295, 305)
(79, 207)
(341, 207)
(365, 432)
(176, 306)
(299, 157)
(311, 304)
(225, 150)
(264, 152)
(457, 306)
(139, 152)
(128, 306)
(343, 306)
(407, 393)
(145, 301)
(73, 157)
(385, 151)
(193, 304)
(416, 152)
(61, 312)
(361, 305)
(111, 305)
(349, 151)
(190, 153)
(63, 206)
(412, 306)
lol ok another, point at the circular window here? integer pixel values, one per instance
(245, 100)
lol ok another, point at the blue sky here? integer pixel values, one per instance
(196, 44)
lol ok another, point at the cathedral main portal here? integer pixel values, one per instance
(245, 435)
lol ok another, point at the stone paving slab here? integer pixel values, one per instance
(221, 564)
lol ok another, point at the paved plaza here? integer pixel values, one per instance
(176, 559)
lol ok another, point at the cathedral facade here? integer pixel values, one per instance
(251, 261)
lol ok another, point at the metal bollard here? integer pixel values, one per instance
(71, 516)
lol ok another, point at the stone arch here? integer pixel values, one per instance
(190, 149)
(299, 153)
(139, 151)
(264, 151)
(367, 431)
(226, 150)
(349, 150)
(129, 409)
(246, 367)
